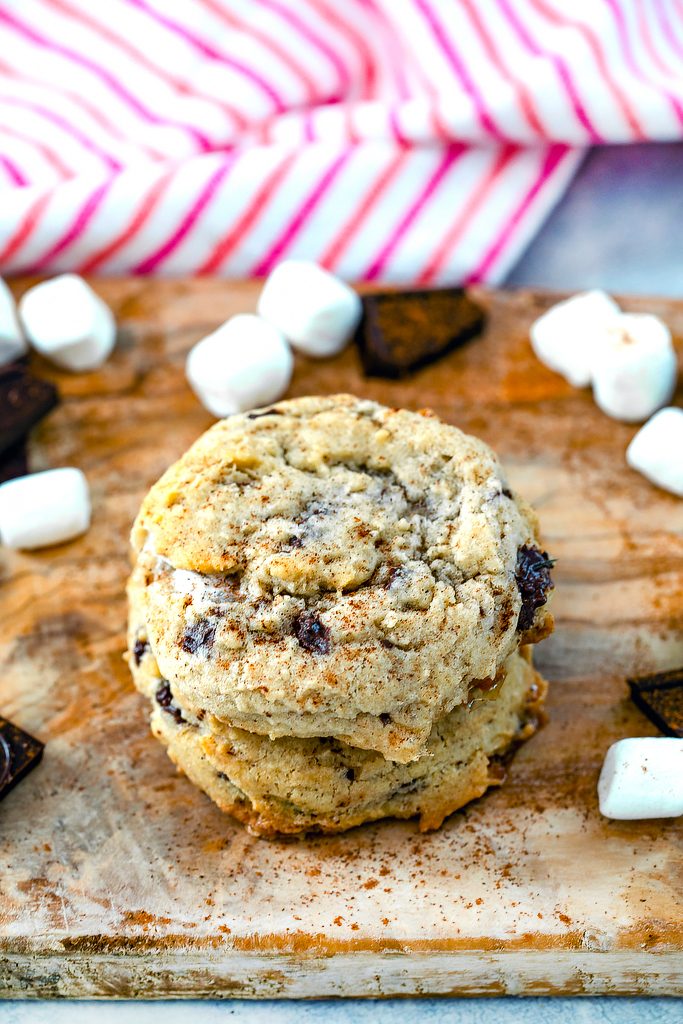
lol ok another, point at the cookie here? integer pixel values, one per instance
(289, 785)
(331, 567)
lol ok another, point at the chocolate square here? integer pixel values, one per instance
(24, 401)
(19, 754)
(401, 331)
(14, 461)
(660, 697)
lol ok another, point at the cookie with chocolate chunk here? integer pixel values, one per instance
(334, 568)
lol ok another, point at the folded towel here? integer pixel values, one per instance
(390, 140)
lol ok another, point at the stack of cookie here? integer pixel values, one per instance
(330, 612)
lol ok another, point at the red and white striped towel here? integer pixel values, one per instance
(395, 140)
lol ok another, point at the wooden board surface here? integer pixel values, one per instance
(118, 878)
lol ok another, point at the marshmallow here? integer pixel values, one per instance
(44, 508)
(244, 364)
(68, 323)
(635, 369)
(642, 778)
(12, 341)
(657, 450)
(567, 336)
(315, 311)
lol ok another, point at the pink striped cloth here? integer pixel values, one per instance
(390, 140)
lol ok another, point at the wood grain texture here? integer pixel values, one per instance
(118, 878)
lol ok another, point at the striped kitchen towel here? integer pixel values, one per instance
(390, 140)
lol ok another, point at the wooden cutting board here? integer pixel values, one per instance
(118, 878)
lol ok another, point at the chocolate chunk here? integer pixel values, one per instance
(24, 401)
(660, 697)
(140, 647)
(351, 774)
(533, 583)
(164, 699)
(385, 718)
(14, 461)
(201, 635)
(312, 635)
(19, 754)
(401, 331)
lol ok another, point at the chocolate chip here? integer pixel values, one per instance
(24, 401)
(533, 582)
(164, 699)
(140, 647)
(200, 635)
(660, 697)
(19, 754)
(266, 412)
(350, 775)
(385, 718)
(507, 492)
(312, 635)
(401, 331)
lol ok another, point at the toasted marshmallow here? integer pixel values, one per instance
(634, 370)
(68, 323)
(315, 311)
(642, 778)
(657, 450)
(12, 341)
(44, 508)
(244, 364)
(568, 335)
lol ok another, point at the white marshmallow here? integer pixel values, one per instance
(315, 311)
(244, 364)
(567, 336)
(44, 508)
(657, 450)
(68, 323)
(635, 370)
(12, 341)
(642, 778)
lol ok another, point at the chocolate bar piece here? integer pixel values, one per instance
(24, 401)
(401, 331)
(19, 754)
(660, 697)
(14, 461)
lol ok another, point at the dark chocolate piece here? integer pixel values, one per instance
(19, 754)
(199, 636)
(14, 461)
(660, 697)
(401, 331)
(24, 401)
(533, 582)
(164, 699)
(140, 648)
(312, 635)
